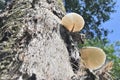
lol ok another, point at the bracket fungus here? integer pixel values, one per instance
(73, 22)
(93, 57)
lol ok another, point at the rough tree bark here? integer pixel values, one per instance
(33, 44)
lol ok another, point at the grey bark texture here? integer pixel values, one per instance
(39, 47)
(34, 46)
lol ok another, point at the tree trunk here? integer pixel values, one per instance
(31, 34)
(33, 44)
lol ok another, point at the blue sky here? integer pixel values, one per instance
(114, 24)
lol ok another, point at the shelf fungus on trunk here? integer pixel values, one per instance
(73, 22)
(93, 57)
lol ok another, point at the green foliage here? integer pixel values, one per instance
(95, 12)
(110, 50)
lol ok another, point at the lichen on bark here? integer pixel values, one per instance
(31, 43)
(11, 35)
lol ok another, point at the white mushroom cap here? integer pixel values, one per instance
(73, 22)
(93, 57)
